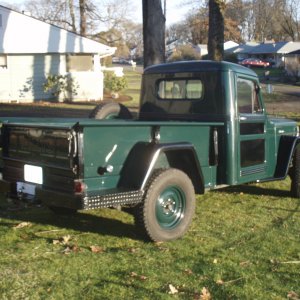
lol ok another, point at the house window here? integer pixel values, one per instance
(3, 61)
(79, 63)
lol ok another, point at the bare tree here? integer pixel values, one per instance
(82, 11)
(153, 32)
(291, 19)
(216, 29)
(72, 15)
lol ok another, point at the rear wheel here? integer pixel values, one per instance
(110, 110)
(168, 207)
(295, 173)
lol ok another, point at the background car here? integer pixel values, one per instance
(254, 62)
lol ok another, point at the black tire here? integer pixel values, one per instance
(168, 207)
(63, 211)
(110, 110)
(295, 173)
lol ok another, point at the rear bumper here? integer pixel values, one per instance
(59, 199)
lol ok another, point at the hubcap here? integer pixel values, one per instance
(170, 207)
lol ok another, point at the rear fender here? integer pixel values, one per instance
(143, 160)
(286, 151)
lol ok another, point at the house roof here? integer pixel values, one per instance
(279, 47)
(295, 52)
(20, 33)
(245, 48)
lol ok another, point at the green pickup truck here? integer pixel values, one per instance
(202, 125)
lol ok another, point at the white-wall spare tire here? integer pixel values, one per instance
(110, 110)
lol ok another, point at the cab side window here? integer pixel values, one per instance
(247, 97)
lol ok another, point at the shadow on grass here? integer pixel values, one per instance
(255, 190)
(279, 194)
(81, 221)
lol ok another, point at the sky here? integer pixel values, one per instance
(175, 10)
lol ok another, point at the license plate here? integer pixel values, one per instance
(33, 174)
(26, 188)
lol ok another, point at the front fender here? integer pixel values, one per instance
(285, 154)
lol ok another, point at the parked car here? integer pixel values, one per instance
(254, 62)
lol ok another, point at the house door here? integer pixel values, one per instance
(252, 146)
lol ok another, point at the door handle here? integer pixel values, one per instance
(242, 118)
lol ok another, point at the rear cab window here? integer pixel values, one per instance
(180, 89)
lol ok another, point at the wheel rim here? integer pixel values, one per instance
(170, 207)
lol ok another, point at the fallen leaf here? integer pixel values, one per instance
(22, 225)
(133, 274)
(133, 250)
(96, 249)
(62, 241)
(292, 295)
(66, 239)
(220, 282)
(205, 294)
(188, 271)
(67, 250)
(172, 290)
(71, 248)
(75, 248)
(143, 277)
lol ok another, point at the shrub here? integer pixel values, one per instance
(113, 83)
(185, 52)
(60, 86)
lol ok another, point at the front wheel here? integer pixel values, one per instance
(168, 207)
(295, 173)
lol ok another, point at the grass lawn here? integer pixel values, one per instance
(244, 243)
(134, 87)
(273, 72)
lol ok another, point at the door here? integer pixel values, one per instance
(251, 131)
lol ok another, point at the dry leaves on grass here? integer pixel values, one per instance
(188, 272)
(71, 249)
(140, 277)
(221, 282)
(96, 249)
(65, 241)
(292, 295)
(62, 241)
(205, 295)
(22, 225)
(172, 290)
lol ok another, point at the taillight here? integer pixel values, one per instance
(79, 187)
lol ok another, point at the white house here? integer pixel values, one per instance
(30, 50)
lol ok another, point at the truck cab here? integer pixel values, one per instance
(248, 143)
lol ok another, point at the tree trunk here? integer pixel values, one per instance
(153, 32)
(72, 15)
(216, 30)
(82, 9)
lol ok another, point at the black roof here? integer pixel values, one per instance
(197, 66)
